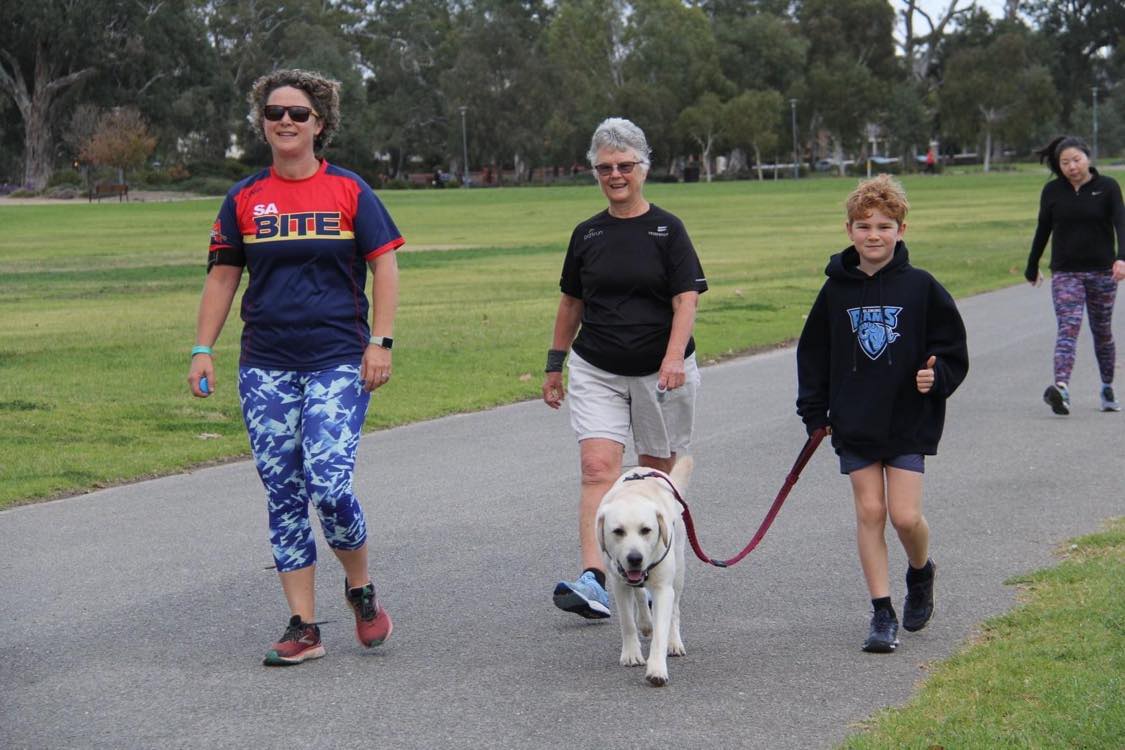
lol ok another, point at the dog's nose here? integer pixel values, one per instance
(634, 559)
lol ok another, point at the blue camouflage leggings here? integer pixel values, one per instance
(304, 430)
(1096, 291)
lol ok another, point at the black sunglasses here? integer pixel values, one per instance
(274, 112)
(624, 167)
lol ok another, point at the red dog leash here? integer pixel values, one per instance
(794, 473)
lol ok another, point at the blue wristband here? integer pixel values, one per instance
(200, 349)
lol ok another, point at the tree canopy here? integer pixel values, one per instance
(531, 78)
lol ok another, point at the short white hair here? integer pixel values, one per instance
(619, 134)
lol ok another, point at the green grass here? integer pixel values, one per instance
(98, 303)
(1050, 674)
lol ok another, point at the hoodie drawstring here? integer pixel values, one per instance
(883, 322)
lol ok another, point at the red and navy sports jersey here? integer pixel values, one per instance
(306, 244)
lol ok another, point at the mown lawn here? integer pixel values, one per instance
(98, 302)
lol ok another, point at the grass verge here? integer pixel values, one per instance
(1049, 674)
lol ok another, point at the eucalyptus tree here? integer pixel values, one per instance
(586, 52)
(671, 60)
(851, 64)
(1083, 36)
(47, 49)
(702, 124)
(758, 48)
(996, 93)
(752, 121)
(405, 47)
(501, 74)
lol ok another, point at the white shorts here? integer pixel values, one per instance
(604, 405)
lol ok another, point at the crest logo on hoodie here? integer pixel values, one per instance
(874, 328)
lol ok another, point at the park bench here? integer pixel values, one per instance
(108, 190)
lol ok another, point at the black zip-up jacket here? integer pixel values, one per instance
(1081, 224)
(863, 343)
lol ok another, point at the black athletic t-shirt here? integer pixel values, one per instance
(626, 272)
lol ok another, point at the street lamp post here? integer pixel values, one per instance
(796, 160)
(1094, 91)
(465, 148)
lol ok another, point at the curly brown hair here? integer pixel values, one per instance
(883, 193)
(323, 93)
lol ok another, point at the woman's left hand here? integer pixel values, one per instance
(1119, 270)
(375, 370)
(671, 373)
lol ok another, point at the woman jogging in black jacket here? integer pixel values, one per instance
(1080, 210)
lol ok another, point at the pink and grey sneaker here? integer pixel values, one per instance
(372, 623)
(300, 642)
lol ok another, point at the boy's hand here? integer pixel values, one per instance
(925, 377)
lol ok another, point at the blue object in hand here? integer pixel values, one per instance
(203, 388)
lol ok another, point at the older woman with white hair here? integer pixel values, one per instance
(630, 284)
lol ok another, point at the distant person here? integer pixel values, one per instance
(630, 284)
(1080, 210)
(307, 231)
(931, 161)
(882, 349)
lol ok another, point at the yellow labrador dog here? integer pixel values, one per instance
(642, 536)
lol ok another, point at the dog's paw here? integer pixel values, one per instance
(657, 678)
(676, 648)
(645, 629)
(631, 656)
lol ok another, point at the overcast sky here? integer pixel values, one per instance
(995, 8)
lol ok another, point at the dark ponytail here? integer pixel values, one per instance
(1050, 152)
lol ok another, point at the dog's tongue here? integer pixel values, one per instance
(635, 576)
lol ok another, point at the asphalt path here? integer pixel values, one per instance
(137, 617)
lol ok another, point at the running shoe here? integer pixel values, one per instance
(883, 635)
(372, 623)
(300, 642)
(1058, 398)
(585, 597)
(1109, 399)
(919, 605)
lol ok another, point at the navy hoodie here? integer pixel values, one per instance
(863, 343)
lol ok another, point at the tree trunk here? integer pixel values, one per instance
(758, 162)
(838, 151)
(35, 109)
(987, 149)
(37, 147)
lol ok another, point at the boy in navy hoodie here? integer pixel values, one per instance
(882, 349)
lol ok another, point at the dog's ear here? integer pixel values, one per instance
(663, 528)
(601, 532)
(681, 472)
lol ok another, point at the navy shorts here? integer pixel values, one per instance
(850, 462)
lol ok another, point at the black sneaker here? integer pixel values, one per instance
(919, 605)
(883, 636)
(1058, 398)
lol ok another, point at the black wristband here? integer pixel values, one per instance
(555, 359)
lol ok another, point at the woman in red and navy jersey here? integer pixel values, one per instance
(1080, 211)
(307, 232)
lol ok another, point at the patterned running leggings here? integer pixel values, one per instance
(1096, 291)
(304, 430)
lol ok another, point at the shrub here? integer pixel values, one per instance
(206, 185)
(63, 192)
(65, 177)
(23, 193)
